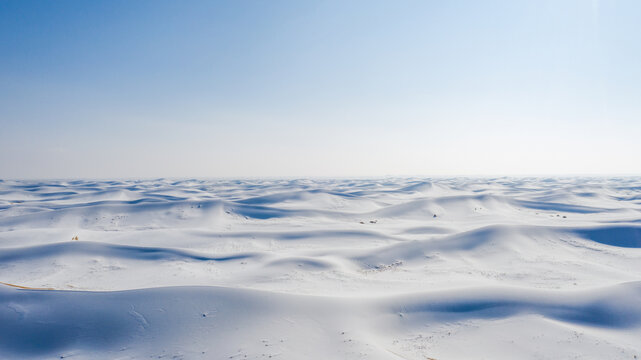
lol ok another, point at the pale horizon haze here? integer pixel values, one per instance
(113, 89)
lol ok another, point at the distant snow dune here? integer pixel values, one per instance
(397, 268)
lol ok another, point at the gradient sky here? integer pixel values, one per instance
(107, 89)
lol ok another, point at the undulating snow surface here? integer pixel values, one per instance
(536, 268)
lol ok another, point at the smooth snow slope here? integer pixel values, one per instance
(505, 268)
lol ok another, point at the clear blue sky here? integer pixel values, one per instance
(319, 88)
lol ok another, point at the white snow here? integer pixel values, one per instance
(509, 268)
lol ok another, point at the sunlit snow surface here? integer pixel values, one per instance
(535, 268)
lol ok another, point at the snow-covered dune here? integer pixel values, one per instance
(216, 322)
(457, 268)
